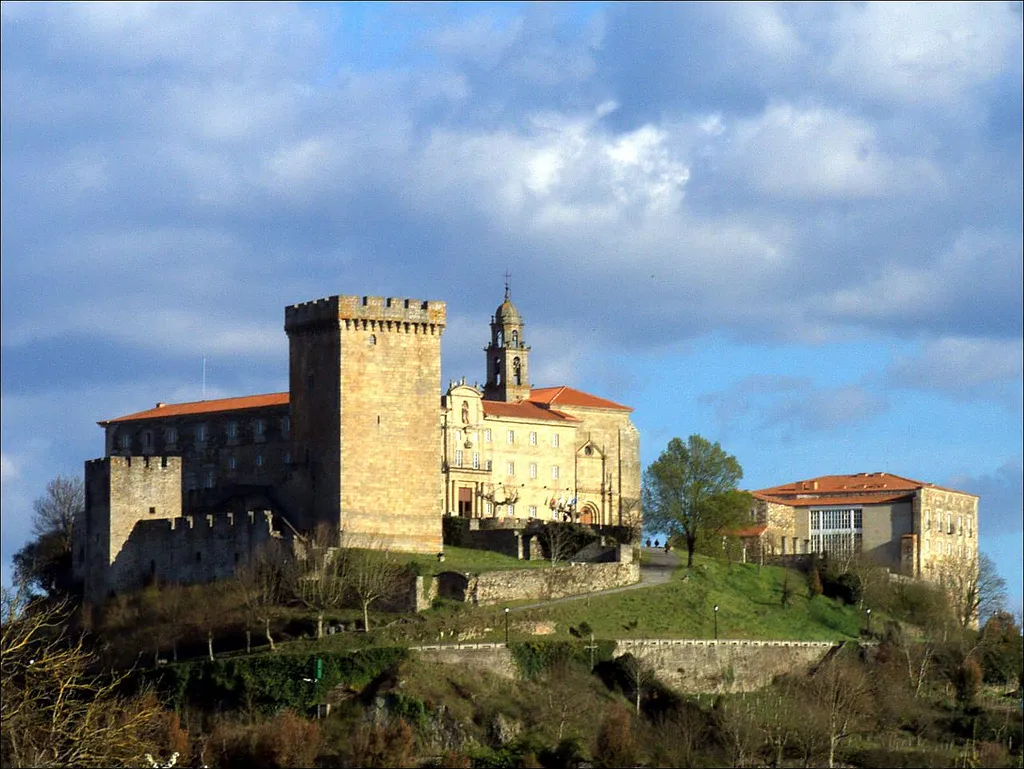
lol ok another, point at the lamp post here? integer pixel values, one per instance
(868, 612)
(506, 626)
(716, 622)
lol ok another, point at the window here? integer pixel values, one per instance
(510, 511)
(970, 526)
(488, 465)
(201, 433)
(286, 425)
(554, 472)
(232, 462)
(171, 436)
(259, 462)
(511, 468)
(533, 511)
(517, 372)
(836, 530)
(487, 508)
(287, 457)
(147, 439)
(960, 525)
(209, 479)
(927, 519)
(554, 441)
(487, 435)
(458, 457)
(126, 440)
(152, 511)
(260, 427)
(533, 439)
(949, 523)
(511, 437)
(476, 460)
(533, 469)
(232, 429)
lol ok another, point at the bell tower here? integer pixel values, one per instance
(508, 357)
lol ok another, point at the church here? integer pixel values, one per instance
(364, 441)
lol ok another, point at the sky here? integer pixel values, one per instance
(792, 229)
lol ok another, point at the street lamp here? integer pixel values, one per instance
(506, 626)
(868, 612)
(716, 622)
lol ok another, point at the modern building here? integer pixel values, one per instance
(909, 526)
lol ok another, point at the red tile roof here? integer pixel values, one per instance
(204, 407)
(524, 410)
(570, 396)
(833, 500)
(862, 483)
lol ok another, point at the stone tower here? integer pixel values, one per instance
(365, 379)
(508, 357)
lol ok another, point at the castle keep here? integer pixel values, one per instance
(363, 442)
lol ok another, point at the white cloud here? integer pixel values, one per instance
(914, 53)
(964, 367)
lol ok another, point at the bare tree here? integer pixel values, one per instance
(318, 575)
(639, 675)
(841, 693)
(45, 561)
(54, 711)
(974, 586)
(373, 573)
(261, 584)
(560, 540)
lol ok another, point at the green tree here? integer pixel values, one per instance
(44, 563)
(690, 491)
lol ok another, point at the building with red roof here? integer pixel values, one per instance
(912, 527)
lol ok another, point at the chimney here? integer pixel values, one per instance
(160, 405)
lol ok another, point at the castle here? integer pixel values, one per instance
(364, 442)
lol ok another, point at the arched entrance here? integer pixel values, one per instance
(588, 513)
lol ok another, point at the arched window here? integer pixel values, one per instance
(500, 339)
(517, 372)
(515, 338)
(497, 370)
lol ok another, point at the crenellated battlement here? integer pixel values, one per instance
(167, 464)
(393, 313)
(221, 520)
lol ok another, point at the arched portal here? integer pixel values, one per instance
(589, 513)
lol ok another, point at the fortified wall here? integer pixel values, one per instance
(692, 666)
(136, 533)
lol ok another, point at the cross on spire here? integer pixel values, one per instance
(508, 283)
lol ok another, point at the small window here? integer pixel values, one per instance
(209, 479)
(232, 462)
(487, 435)
(488, 465)
(533, 469)
(260, 427)
(487, 508)
(152, 511)
(458, 457)
(147, 439)
(232, 429)
(126, 440)
(511, 511)
(372, 340)
(511, 437)
(259, 462)
(287, 457)
(533, 439)
(171, 436)
(286, 425)
(533, 511)
(476, 460)
(554, 441)
(511, 468)
(554, 472)
(201, 433)
(588, 451)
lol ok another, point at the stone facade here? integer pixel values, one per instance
(909, 526)
(358, 444)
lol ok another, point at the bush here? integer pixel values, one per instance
(534, 657)
(967, 681)
(286, 741)
(615, 743)
(387, 745)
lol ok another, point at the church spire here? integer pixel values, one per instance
(507, 354)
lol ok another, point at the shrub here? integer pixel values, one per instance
(383, 745)
(615, 743)
(967, 681)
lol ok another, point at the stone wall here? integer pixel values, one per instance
(546, 584)
(696, 667)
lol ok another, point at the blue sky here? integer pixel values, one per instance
(793, 229)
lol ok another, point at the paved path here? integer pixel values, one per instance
(655, 569)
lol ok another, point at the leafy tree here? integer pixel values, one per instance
(44, 563)
(691, 490)
(1002, 649)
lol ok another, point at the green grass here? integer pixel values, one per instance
(466, 560)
